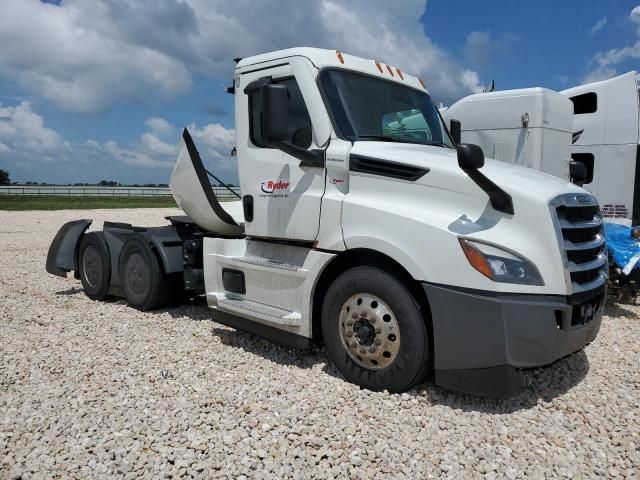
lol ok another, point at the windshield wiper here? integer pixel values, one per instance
(383, 138)
(438, 144)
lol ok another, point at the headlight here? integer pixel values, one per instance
(500, 265)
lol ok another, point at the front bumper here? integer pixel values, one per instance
(481, 340)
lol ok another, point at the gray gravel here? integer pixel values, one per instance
(90, 389)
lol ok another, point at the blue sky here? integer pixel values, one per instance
(99, 89)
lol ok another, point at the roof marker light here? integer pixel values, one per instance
(340, 57)
(379, 66)
(422, 83)
(400, 74)
(390, 71)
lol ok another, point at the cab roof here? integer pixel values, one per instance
(323, 58)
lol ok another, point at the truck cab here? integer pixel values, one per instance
(363, 225)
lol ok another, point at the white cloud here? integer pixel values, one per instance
(76, 56)
(154, 150)
(134, 157)
(482, 49)
(154, 145)
(479, 48)
(22, 130)
(599, 25)
(159, 125)
(215, 142)
(86, 54)
(634, 16)
(605, 64)
(25, 140)
(471, 81)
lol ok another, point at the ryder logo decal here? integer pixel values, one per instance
(275, 188)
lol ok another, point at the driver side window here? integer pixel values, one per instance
(406, 125)
(299, 127)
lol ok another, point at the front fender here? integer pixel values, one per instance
(62, 256)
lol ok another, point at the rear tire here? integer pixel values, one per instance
(374, 331)
(94, 265)
(144, 283)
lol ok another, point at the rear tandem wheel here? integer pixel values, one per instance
(94, 265)
(144, 283)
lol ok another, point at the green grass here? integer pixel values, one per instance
(20, 202)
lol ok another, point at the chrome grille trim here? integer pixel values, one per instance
(579, 229)
(596, 243)
(592, 265)
(596, 222)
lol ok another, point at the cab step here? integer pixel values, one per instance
(268, 313)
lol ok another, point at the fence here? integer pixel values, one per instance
(89, 191)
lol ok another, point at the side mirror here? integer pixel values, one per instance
(275, 114)
(577, 172)
(455, 128)
(470, 157)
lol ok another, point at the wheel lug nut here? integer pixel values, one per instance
(378, 330)
(378, 341)
(349, 334)
(372, 349)
(363, 351)
(354, 344)
(354, 315)
(350, 323)
(363, 314)
(372, 319)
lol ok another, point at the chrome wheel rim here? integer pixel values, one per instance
(369, 331)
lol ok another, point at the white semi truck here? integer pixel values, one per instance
(607, 141)
(407, 255)
(596, 125)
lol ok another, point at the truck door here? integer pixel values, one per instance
(281, 197)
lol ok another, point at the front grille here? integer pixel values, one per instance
(581, 234)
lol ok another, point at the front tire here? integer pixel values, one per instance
(374, 331)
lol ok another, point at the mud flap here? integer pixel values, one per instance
(62, 256)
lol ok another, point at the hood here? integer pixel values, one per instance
(444, 173)
(445, 204)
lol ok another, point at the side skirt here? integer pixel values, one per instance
(273, 334)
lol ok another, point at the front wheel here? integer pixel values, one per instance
(374, 331)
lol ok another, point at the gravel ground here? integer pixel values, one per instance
(91, 389)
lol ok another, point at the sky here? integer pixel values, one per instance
(100, 89)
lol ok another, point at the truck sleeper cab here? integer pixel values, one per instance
(607, 141)
(595, 125)
(364, 226)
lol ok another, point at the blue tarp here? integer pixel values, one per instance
(621, 244)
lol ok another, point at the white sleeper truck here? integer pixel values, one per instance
(532, 127)
(364, 226)
(607, 141)
(595, 126)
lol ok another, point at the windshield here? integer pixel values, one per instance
(369, 108)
